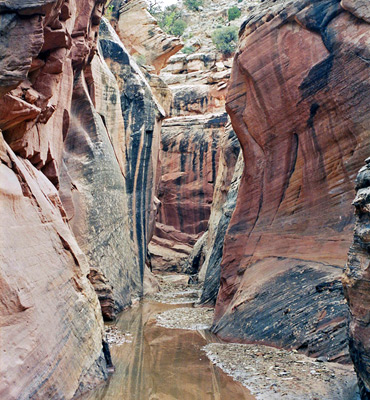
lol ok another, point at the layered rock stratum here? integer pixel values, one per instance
(302, 118)
(51, 323)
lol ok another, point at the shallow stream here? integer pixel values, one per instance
(157, 363)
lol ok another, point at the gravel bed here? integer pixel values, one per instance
(271, 373)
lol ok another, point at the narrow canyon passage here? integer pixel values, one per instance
(189, 187)
(155, 362)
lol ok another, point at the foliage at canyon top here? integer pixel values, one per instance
(180, 19)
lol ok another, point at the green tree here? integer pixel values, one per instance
(170, 20)
(233, 13)
(226, 39)
(178, 27)
(193, 5)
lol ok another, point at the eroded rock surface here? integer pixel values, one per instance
(189, 160)
(357, 283)
(303, 122)
(78, 166)
(110, 160)
(140, 32)
(51, 323)
(210, 272)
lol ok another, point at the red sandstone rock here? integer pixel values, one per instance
(51, 324)
(299, 103)
(189, 159)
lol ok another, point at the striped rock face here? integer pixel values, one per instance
(299, 103)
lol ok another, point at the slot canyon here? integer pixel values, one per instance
(185, 199)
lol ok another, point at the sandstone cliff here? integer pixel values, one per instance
(110, 165)
(302, 119)
(357, 284)
(79, 152)
(189, 159)
(51, 324)
(210, 272)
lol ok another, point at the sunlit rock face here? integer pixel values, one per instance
(357, 283)
(51, 323)
(299, 103)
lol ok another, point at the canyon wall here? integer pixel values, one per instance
(210, 272)
(189, 159)
(357, 283)
(302, 118)
(192, 143)
(51, 323)
(80, 133)
(110, 166)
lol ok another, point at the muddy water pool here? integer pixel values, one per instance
(157, 363)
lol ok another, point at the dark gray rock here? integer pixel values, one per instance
(301, 308)
(357, 284)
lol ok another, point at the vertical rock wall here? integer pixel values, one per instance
(189, 156)
(210, 272)
(51, 323)
(79, 151)
(302, 118)
(357, 284)
(110, 160)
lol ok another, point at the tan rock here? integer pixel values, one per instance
(149, 41)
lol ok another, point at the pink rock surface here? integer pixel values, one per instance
(51, 324)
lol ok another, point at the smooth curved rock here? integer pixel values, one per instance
(64, 128)
(303, 122)
(51, 324)
(211, 269)
(140, 146)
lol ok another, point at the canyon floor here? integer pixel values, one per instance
(162, 349)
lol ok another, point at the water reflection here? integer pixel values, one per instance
(164, 364)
